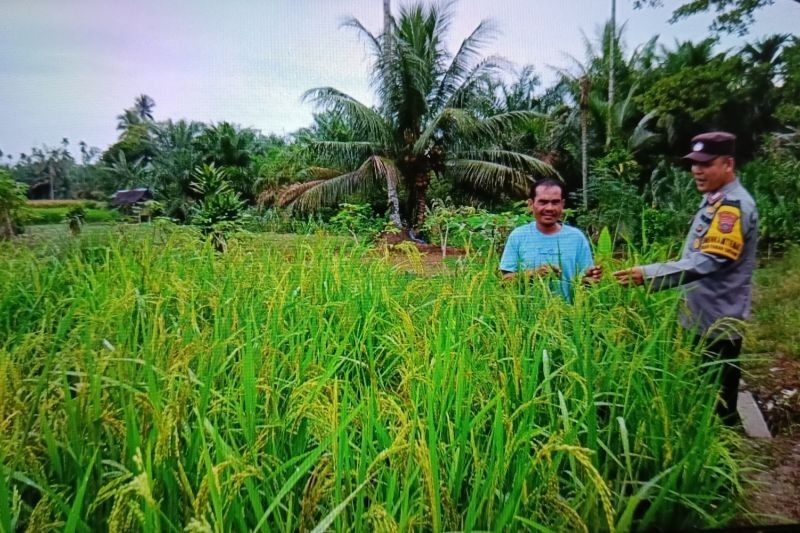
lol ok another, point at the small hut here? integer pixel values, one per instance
(131, 201)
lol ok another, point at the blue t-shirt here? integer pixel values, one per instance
(569, 249)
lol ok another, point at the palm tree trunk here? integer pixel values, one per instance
(387, 44)
(421, 183)
(585, 84)
(394, 203)
(7, 229)
(387, 13)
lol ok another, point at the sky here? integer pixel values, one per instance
(69, 67)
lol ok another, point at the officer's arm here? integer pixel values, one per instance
(697, 265)
(722, 245)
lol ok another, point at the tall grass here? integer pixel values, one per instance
(152, 384)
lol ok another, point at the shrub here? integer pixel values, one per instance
(614, 198)
(219, 210)
(470, 227)
(281, 221)
(74, 218)
(774, 182)
(12, 204)
(358, 221)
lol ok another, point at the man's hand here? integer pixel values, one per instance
(538, 272)
(592, 274)
(630, 276)
(543, 271)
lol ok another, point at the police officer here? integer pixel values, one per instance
(717, 263)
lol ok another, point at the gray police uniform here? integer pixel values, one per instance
(717, 263)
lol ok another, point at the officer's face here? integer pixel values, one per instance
(711, 176)
(548, 206)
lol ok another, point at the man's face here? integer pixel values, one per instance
(548, 206)
(711, 176)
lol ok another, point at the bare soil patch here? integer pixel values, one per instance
(774, 381)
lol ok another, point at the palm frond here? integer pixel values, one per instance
(293, 191)
(641, 134)
(371, 40)
(457, 120)
(625, 108)
(311, 195)
(487, 175)
(346, 152)
(364, 120)
(505, 122)
(516, 160)
(320, 173)
(462, 64)
(486, 68)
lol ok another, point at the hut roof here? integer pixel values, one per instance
(130, 196)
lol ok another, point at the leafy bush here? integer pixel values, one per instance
(281, 221)
(358, 221)
(470, 227)
(614, 198)
(774, 182)
(74, 218)
(673, 198)
(12, 204)
(219, 210)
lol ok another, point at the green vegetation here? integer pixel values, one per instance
(467, 130)
(428, 121)
(777, 321)
(53, 215)
(165, 377)
(151, 383)
(12, 204)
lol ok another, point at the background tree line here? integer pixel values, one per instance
(469, 129)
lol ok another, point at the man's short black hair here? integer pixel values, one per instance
(547, 182)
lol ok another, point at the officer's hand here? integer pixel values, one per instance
(630, 277)
(593, 274)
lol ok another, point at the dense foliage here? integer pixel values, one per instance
(465, 129)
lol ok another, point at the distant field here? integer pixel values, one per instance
(39, 204)
(54, 211)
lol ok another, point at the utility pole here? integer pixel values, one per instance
(611, 54)
(584, 110)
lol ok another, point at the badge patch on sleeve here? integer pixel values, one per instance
(724, 237)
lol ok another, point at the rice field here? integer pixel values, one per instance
(149, 383)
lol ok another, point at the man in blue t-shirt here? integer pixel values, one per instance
(548, 247)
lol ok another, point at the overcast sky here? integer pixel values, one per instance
(69, 67)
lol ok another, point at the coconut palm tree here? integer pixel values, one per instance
(143, 107)
(127, 119)
(425, 123)
(176, 156)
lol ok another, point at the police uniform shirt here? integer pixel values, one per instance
(718, 260)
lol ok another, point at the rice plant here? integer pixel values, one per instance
(149, 383)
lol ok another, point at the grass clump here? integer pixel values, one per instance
(151, 383)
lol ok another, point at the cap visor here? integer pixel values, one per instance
(700, 157)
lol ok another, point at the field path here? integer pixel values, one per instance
(777, 498)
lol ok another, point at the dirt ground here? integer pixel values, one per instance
(774, 381)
